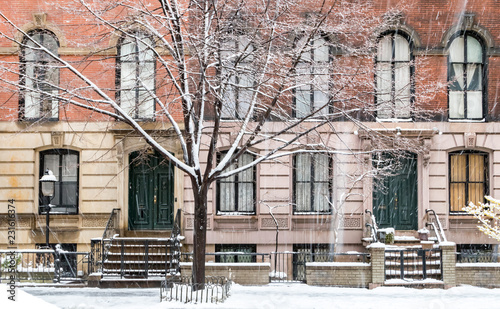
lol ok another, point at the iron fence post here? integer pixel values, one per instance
(401, 264)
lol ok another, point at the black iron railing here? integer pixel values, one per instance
(45, 265)
(413, 264)
(215, 290)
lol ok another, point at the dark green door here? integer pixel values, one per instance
(151, 192)
(395, 197)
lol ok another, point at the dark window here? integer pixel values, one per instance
(468, 179)
(394, 69)
(235, 253)
(311, 92)
(237, 77)
(64, 164)
(236, 193)
(136, 75)
(466, 71)
(40, 76)
(312, 183)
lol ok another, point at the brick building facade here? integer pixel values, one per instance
(455, 49)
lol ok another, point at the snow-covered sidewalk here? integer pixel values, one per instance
(283, 296)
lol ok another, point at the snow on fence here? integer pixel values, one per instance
(45, 265)
(215, 290)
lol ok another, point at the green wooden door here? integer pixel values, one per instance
(151, 193)
(395, 198)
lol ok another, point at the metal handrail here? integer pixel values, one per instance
(111, 219)
(439, 229)
(372, 225)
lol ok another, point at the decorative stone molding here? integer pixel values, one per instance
(40, 19)
(426, 156)
(57, 139)
(312, 223)
(268, 223)
(467, 22)
(190, 223)
(469, 140)
(22, 221)
(94, 221)
(351, 223)
(236, 223)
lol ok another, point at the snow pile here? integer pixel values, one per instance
(22, 300)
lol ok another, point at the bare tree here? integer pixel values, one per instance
(244, 75)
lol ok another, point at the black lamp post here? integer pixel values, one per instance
(47, 185)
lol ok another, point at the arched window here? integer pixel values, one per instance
(237, 77)
(311, 92)
(64, 163)
(40, 75)
(394, 69)
(466, 71)
(136, 75)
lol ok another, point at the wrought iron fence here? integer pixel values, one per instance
(45, 265)
(477, 256)
(412, 264)
(215, 290)
(291, 266)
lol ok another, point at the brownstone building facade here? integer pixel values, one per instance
(451, 47)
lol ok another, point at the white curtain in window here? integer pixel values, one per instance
(384, 86)
(321, 181)
(227, 192)
(302, 184)
(402, 90)
(245, 185)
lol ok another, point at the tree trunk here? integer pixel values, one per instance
(199, 237)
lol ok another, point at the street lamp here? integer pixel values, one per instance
(47, 185)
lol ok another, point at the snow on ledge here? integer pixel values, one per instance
(337, 264)
(493, 265)
(376, 245)
(228, 264)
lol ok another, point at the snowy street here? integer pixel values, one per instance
(271, 296)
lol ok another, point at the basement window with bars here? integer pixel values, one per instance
(468, 172)
(235, 253)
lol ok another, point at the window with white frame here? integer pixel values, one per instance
(237, 77)
(312, 78)
(394, 69)
(40, 75)
(466, 69)
(64, 163)
(236, 193)
(312, 183)
(136, 75)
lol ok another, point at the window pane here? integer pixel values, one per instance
(321, 196)
(145, 105)
(476, 193)
(474, 105)
(245, 197)
(384, 86)
(384, 50)
(457, 77)
(227, 201)
(128, 75)
(402, 90)
(69, 168)
(229, 100)
(457, 50)
(476, 168)
(457, 196)
(458, 168)
(303, 167)
(303, 196)
(456, 104)
(402, 49)
(127, 102)
(321, 53)
(69, 196)
(474, 50)
(147, 76)
(474, 77)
